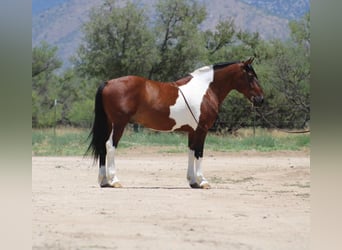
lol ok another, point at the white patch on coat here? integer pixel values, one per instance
(193, 91)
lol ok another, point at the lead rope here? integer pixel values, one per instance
(282, 130)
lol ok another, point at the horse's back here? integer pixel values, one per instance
(125, 83)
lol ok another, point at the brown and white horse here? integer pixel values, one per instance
(190, 104)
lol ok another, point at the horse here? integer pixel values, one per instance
(190, 104)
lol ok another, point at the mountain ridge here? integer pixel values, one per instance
(59, 22)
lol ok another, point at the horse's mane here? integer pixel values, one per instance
(223, 64)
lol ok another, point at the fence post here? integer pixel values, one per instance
(254, 115)
(54, 126)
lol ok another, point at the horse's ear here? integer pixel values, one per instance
(249, 61)
(246, 64)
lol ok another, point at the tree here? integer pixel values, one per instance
(58, 98)
(76, 99)
(180, 43)
(219, 41)
(117, 41)
(300, 33)
(44, 81)
(289, 106)
(44, 59)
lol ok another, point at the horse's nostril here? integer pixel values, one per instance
(258, 100)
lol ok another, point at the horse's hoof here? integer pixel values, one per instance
(116, 185)
(106, 185)
(195, 185)
(113, 185)
(205, 186)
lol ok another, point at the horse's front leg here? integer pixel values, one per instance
(203, 183)
(191, 174)
(195, 174)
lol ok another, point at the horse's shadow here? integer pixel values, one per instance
(163, 188)
(156, 187)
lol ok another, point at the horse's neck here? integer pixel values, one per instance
(223, 83)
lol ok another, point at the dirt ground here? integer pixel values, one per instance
(257, 201)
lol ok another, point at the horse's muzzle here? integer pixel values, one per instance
(257, 100)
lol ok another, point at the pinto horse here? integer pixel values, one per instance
(190, 104)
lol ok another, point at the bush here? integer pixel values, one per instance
(81, 113)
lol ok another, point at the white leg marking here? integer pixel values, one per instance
(107, 174)
(199, 175)
(191, 168)
(102, 178)
(110, 161)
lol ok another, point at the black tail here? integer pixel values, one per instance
(99, 131)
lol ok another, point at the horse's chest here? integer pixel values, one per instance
(187, 109)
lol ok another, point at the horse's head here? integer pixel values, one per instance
(248, 83)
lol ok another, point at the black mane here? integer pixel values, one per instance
(222, 65)
(225, 64)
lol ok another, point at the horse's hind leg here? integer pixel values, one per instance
(107, 176)
(110, 159)
(111, 145)
(102, 178)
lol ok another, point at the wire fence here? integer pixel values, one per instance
(254, 118)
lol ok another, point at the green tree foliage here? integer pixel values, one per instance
(291, 101)
(288, 102)
(75, 98)
(44, 60)
(300, 32)
(58, 98)
(219, 42)
(179, 43)
(44, 84)
(117, 42)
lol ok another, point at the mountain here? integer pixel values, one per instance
(39, 6)
(59, 22)
(289, 9)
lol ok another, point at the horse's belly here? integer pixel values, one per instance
(177, 117)
(156, 120)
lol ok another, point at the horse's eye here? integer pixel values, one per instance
(250, 77)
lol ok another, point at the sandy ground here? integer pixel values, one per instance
(257, 201)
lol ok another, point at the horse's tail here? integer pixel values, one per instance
(99, 131)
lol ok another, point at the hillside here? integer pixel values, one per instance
(289, 9)
(59, 22)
